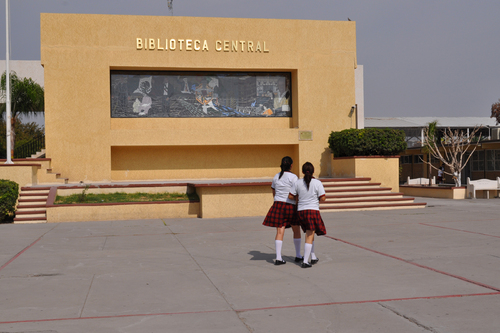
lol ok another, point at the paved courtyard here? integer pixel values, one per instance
(422, 270)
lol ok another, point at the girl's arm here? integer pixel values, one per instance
(322, 198)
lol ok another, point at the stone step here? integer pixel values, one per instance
(35, 188)
(351, 184)
(343, 180)
(22, 209)
(375, 206)
(374, 195)
(33, 201)
(361, 194)
(29, 220)
(357, 201)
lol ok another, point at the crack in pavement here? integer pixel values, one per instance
(410, 319)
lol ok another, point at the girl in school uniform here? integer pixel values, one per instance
(309, 192)
(283, 212)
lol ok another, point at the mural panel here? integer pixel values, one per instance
(147, 94)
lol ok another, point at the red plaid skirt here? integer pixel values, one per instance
(311, 220)
(281, 214)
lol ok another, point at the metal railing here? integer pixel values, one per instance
(30, 147)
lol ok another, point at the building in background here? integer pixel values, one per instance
(484, 163)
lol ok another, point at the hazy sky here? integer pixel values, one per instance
(420, 57)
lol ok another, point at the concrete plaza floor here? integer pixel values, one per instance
(435, 269)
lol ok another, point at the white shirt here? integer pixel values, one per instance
(308, 199)
(283, 185)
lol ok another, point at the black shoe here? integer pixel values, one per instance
(306, 265)
(279, 262)
(313, 261)
(297, 259)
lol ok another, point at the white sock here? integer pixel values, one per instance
(307, 252)
(278, 244)
(313, 256)
(296, 242)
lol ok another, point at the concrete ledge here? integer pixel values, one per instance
(234, 199)
(21, 173)
(445, 192)
(119, 211)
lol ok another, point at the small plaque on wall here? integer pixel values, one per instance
(305, 135)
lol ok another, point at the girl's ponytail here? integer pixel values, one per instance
(308, 171)
(286, 165)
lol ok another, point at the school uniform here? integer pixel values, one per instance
(308, 205)
(283, 211)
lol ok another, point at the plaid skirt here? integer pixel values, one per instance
(311, 220)
(281, 214)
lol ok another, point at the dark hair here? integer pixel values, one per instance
(286, 165)
(307, 170)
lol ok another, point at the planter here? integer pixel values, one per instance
(435, 191)
(381, 169)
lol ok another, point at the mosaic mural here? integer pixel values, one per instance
(199, 94)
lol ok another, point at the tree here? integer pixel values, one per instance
(25, 132)
(26, 96)
(495, 111)
(431, 139)
(451, 150)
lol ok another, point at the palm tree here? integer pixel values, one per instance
(26, 96)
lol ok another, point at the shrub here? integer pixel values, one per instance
(367, 142)
(9, 191)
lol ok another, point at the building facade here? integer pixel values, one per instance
(132, 98)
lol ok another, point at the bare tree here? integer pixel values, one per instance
(495, 111)
(452, 149)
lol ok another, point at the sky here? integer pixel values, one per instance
(420, 57)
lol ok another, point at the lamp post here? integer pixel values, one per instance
(7, 84)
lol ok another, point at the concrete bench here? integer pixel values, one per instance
(482, 185)
(420, 181)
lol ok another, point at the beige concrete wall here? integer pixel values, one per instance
(77, 213)
(384, 170)
(216, 202)
(24, 175)
(85, 144)
(435, 192)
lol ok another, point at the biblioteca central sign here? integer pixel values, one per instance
(166, 44)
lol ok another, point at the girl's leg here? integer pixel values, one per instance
(296, 240)
(314, 259)
(308, 245)
(280, 232)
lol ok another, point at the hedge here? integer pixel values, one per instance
(9, 191)
(367, 142)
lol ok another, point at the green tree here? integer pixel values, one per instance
(26, 96)
(25, 132)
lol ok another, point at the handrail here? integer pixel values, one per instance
(30, 147)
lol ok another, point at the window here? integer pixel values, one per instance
(406, 159)
(418, 159)
(155, 94)
(493, 160)
(478, 161)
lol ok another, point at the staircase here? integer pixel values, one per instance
(356, 194)
(45, 174)
(31, 206)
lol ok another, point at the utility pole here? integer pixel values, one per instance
(170, 7)
(7, 84)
